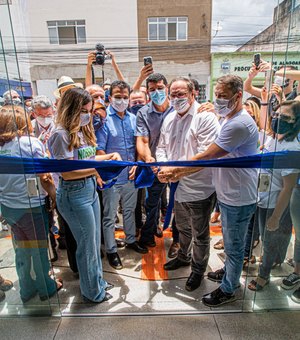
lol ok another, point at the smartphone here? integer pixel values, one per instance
(257, 60)
(147, 60)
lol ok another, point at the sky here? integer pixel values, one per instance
(240, 21)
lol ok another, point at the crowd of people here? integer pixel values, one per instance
(152, 121)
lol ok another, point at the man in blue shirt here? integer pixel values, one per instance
(149, 121)
(118, 134)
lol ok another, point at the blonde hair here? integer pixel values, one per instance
(14, 122)
(255, 110)
(68, 116)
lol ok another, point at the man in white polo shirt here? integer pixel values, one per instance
(236, 188)
(185, 133)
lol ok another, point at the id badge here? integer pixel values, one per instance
(33, 186)
(264, 182)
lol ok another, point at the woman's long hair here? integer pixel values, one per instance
(14, 122)
(68, 116)
(255, 111)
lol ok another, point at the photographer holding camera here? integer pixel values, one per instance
(98, 57)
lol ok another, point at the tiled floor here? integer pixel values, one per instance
(133, 295)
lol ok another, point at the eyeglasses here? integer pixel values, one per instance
(282, 116)
(178, 95)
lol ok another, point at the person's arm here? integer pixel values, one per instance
(143, 149)
(283, 200)
(144, 74)
(248, 87)
(88, 74)
(115, 66)
(291, 74)
(48, 185)
(263, 117)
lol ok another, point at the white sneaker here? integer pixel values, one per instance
(3, 226)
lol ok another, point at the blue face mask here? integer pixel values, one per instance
(134, 109)
(158, 96)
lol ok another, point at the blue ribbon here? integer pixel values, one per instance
(109, 170)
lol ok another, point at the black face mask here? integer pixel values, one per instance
(134, 109)
(281, 126)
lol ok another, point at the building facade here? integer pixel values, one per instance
(283, 34)
(54, 38)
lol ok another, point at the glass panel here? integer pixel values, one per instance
(80, 22)
(152, 19)
(51, 23)
(162, 31)
(152, 31)
(53, 38)
(24, 219)
(81, 37)
(182, 19)
(182, 31)
(61, 23)
(172, 31)
(172, 19)
(161, 19)
(67, 35)
(71, 23)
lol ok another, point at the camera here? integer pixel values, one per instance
(101, 55)
(147, 61)
(257, 60)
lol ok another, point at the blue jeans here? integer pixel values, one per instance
(152, 210)
(252, 235)
(30, 233)
(79, 205)
(128, 195)
(235, 222)
(295, 215)
(275, 243)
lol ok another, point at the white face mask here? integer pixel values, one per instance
(44, 121)
(221, 107)
(120, 105)
(84, 118)
(180, 104)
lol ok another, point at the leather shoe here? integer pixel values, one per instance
(158, 233)
(150, 244)
(120, 243)
(137, 247)
(173, 250)
(193, 282)
(114, 260)
(175, 264)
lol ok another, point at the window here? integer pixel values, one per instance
(167, 29)
(65, 32)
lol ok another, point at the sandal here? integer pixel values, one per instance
(252, 260)
(219, 245)
(258, 284)
(59, 286)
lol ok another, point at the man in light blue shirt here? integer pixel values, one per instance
(117, 134)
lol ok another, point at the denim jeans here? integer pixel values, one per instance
(30, 234)
(275, 243)
(128, 195)
(192, 221)
(235, 221)
(295, 215)
(252, 235)
(152, 210)
(78, 203)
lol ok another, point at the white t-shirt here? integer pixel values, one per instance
(268, 198)
(239, 137)
(182, 137)
(13, 188)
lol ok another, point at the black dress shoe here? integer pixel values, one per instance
(150, 244)
(158, 233)
(175, 264)
(114, 260)
(193, 282)
(137, 247)
(120, 243)
(55, 256)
